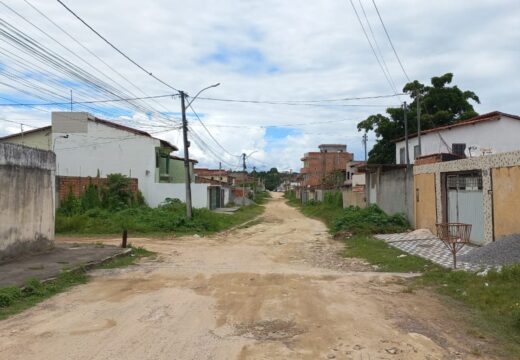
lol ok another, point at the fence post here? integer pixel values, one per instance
(125, 237)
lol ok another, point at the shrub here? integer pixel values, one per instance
(369, 220)
(90, 198)
(9, 295)
(70, 205)
(334, 198)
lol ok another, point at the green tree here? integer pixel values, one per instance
(440, 105)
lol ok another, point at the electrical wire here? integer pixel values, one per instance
(391, 42)
(289, 103)
(209, 133)
(115, 48)
(372, 47)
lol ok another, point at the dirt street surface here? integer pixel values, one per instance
(275, 290)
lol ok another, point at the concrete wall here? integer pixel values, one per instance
(160, 191)
(506, 200)
(392, 191)
(26, 200)
(425, 202)
(351, 198)
(499, 135)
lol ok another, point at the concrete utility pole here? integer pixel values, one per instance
(406, 137)
(419, 123)
(244, 167)
(365, 139)
(186, 155)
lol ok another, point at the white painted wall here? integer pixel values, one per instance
(499, 135)
(358, 179)
(160, 191)
(110, 150)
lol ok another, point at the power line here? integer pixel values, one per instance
(115, 48)
(300, 103)
(376, 44)
(93, 101)
(209, 133)
(91, 52)
(390, 40)
(372, 47)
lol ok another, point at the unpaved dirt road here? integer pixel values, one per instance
(275, 290)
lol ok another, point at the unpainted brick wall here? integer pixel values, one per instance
(78, 185)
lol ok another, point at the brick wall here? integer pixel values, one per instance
(76, 184)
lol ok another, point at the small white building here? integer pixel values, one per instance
(87, 146)
(490, 133)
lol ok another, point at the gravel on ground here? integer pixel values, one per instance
(505, 251)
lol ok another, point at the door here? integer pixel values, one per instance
(465, 203)
(214, 198)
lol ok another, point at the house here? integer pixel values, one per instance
(87, 146)
(219, 186)
(490, 133)
(26, 200)
(323, 171)
(482, 191)
(354, 187)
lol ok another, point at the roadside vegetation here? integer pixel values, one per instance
(14, 300)
(493, 299)
(110, 209)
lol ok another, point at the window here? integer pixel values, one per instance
(416, 152)
(458, 149)
(402, 157)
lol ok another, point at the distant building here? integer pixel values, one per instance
(487, 134)
(325, 168)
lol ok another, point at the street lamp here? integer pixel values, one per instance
(187, 145)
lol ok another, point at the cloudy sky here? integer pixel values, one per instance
(268, 51)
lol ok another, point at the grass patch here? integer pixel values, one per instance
(261, 197)
(387, 258)
(167, 219)
(14, 300)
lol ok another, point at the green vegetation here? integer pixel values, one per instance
(387, 258)
(440, 105)
(116, 195)
(14, 300)
(493, 299)
(114, 207)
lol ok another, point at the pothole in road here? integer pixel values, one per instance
(274, 330)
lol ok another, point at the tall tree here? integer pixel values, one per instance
(440, 105)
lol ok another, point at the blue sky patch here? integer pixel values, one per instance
(277, 133)
(244, 60)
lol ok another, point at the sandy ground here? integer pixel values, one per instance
(275, 290)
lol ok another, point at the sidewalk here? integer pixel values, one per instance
(48, 265)
(430, 247)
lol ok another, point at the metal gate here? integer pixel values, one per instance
(465, 203)
(214, 197)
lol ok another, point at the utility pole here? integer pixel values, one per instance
(243, 181)
(419, 123)
(406, 137)
(365, 139)
(186, 155)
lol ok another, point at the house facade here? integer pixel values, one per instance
(490, 133)
(319, 168)
(87, 146)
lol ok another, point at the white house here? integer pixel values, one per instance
(490, 133)
(88, 146)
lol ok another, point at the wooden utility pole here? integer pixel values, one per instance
(186, 156)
